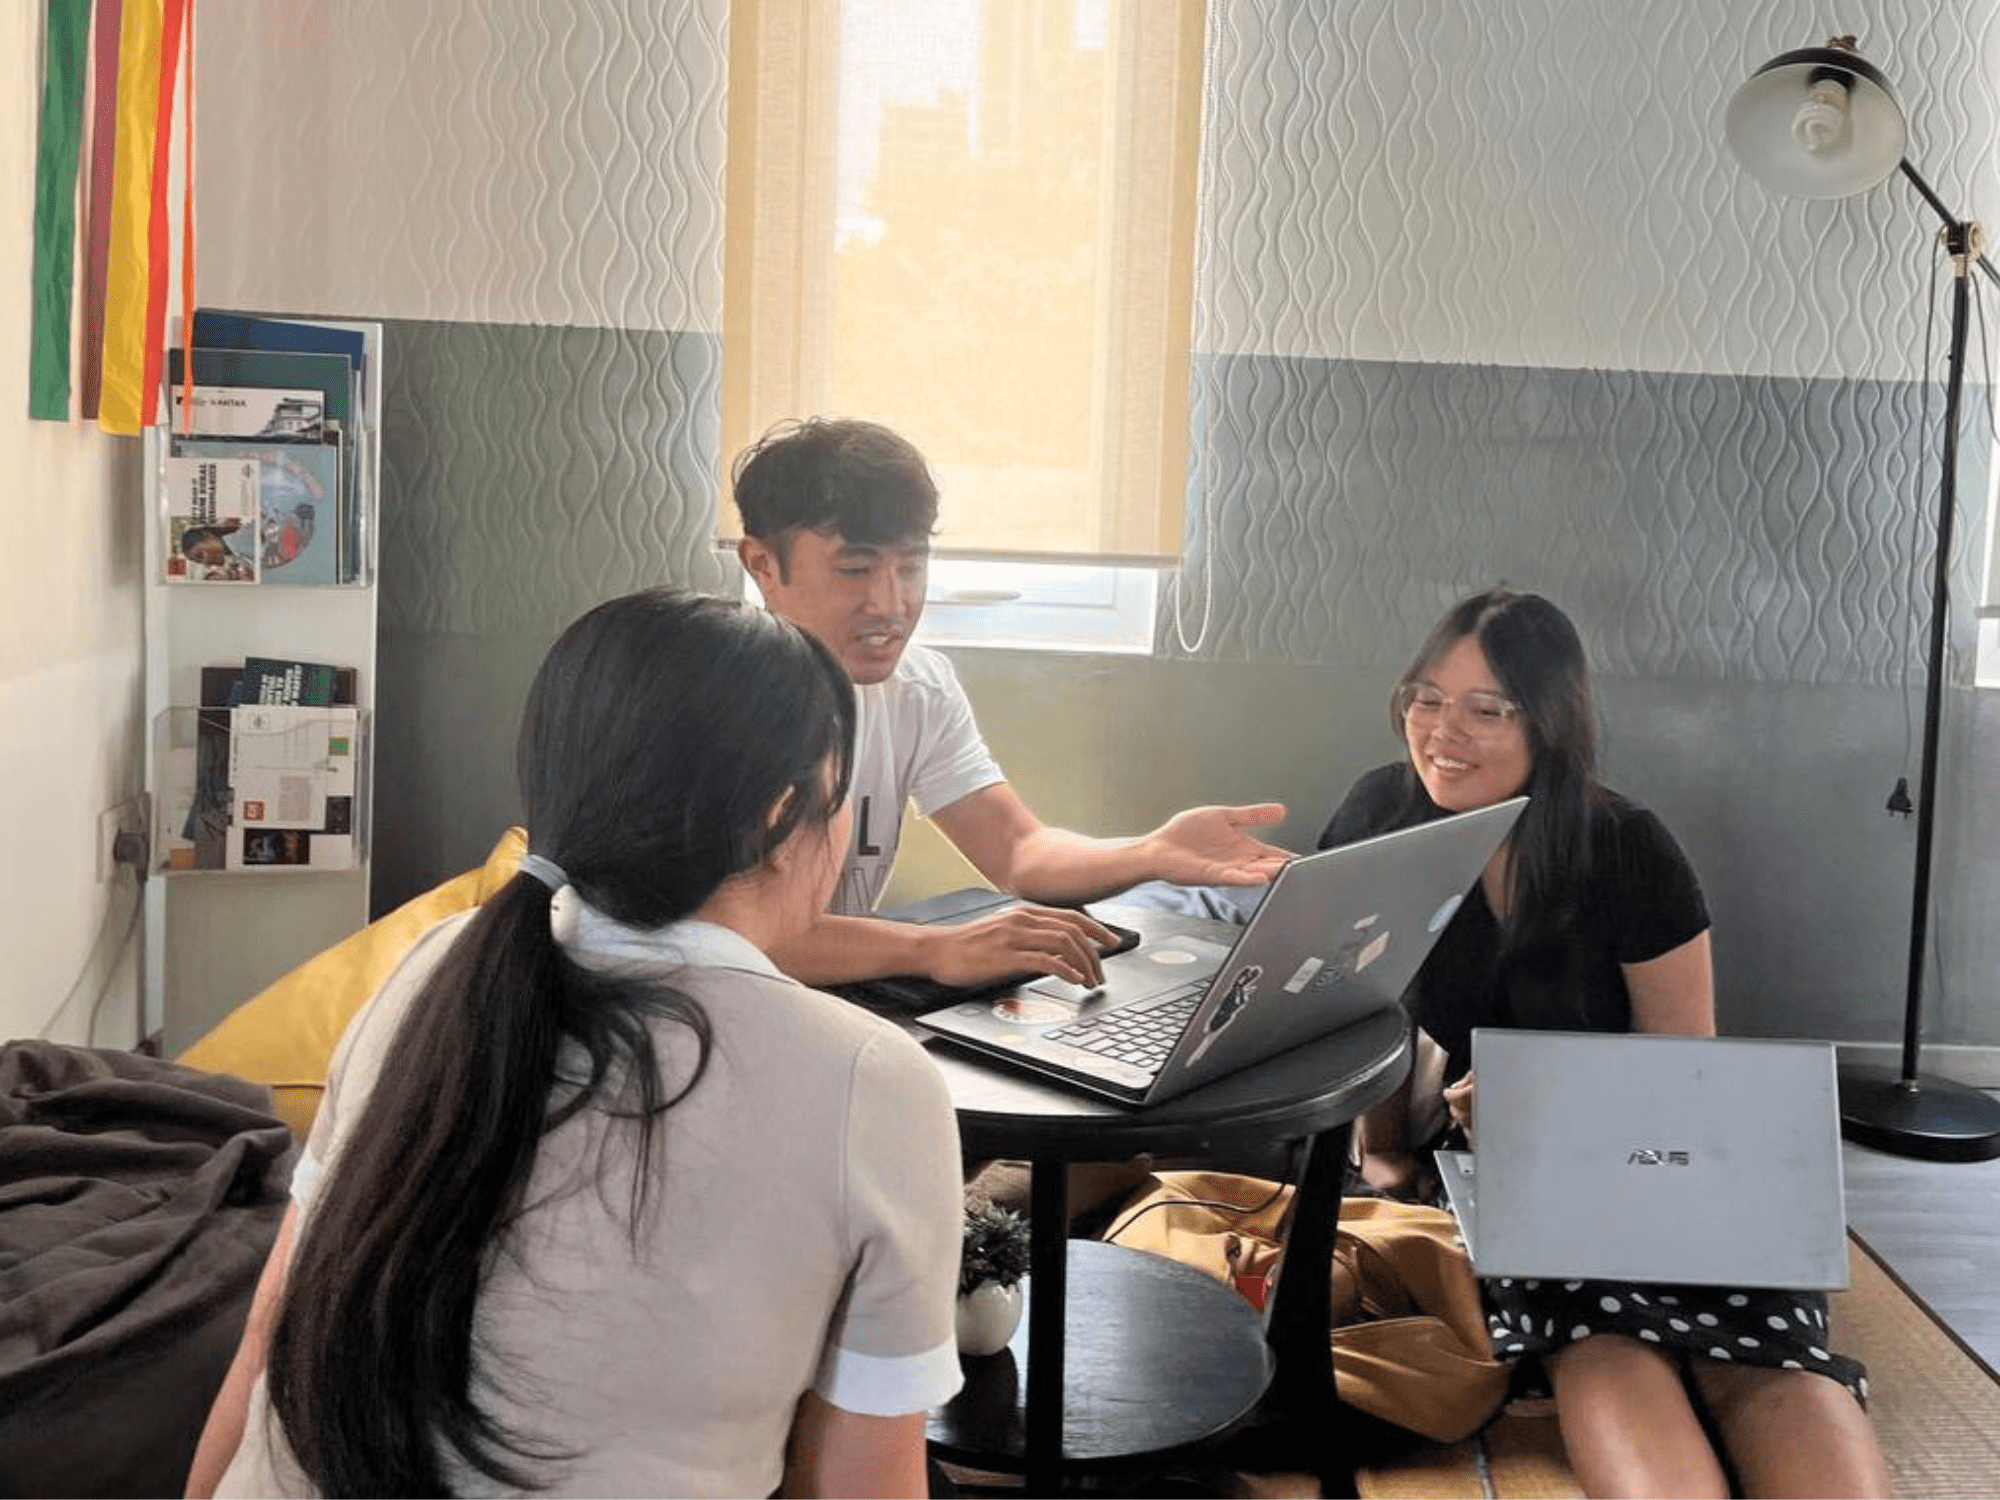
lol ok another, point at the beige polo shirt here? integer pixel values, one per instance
(803, 1234)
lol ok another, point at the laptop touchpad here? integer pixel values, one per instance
(1149, 970)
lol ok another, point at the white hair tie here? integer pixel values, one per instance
(547, 871)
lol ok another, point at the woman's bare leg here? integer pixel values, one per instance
(1627, 1422)
(1792, 1432)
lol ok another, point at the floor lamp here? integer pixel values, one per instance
(1822, 123)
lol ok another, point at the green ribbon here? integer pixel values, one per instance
(68, 33)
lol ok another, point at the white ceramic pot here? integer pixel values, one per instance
(987, 1317)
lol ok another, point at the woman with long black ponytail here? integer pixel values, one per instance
(598, 1202)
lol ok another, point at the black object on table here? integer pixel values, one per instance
(1151, 1356)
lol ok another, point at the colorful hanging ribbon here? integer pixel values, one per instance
(158, 251)
(54, 275)
(136, 290)
(103, 159)
(187, 222)
(122, 407)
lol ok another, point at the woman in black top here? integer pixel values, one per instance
(1589, 917)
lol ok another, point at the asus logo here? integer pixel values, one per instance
(1647, 1158)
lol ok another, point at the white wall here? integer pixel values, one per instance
(69, 648)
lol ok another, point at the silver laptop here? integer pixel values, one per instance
(1709, 1161)
(1338, 936)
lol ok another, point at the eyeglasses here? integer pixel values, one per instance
(1482, 715)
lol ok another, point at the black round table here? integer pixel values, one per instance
(1148, 1355)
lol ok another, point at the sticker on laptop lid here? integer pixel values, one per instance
(1303, 976)
(1241, 989)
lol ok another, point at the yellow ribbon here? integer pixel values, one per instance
(126, 405)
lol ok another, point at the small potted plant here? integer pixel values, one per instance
(991, 1264)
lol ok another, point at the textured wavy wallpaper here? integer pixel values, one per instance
(1435, 236)
(529, 472)
(1483, 296)
(1544, 182)
(1694, 526)
(497, 161)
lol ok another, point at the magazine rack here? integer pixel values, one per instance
(247, 882)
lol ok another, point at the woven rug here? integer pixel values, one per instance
(1935, 1405)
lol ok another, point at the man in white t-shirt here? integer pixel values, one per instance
(837, 521)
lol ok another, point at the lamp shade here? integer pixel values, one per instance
(1816, 123)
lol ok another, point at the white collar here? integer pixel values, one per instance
(588, 934)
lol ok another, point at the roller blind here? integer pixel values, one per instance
(975, 223)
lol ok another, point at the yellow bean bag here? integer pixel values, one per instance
(284, 1037)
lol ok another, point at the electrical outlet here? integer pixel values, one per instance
(122, 837)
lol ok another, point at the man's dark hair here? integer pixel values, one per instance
(855, 480)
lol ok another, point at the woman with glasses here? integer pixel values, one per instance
(1590, 918)
(598, 1201)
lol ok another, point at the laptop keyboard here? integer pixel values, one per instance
(1141, 1034)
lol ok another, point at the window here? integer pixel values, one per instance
(1045, 606)
(1053, 606)
(975, 223)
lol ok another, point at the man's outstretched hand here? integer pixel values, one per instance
(1207, 846)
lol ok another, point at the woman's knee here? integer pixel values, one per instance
(1729, 1388)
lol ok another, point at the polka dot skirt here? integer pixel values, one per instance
(1786, 1330)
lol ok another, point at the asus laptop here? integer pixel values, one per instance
(1711, 1161)
(1338, 936)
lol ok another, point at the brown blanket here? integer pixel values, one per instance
(138, 1199)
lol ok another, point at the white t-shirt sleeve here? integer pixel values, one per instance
(892, 1347)
(951, 759)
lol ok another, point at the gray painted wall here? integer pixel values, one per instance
(1735, 551)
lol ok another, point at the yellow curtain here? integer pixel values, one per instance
(975, 224)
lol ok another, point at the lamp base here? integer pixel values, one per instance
(1928, 1117)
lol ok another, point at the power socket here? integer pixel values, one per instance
(122, 837)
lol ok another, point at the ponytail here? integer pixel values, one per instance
(371, 1361)
(661, 732)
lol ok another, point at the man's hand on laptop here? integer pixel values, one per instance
(1207, 846)
(1021, 940)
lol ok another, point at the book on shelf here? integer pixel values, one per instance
(223, 329)
(329, 375)
(215, 328)
(233, 764)
(297, 526)
(210, 502)
(267, 414)
(269, 679)
(294, 381)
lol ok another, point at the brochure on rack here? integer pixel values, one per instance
(212, 517)
(291, 784)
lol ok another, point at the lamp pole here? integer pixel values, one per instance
(1822, 122)
(1903, 1111)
